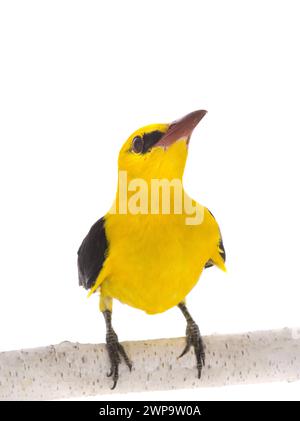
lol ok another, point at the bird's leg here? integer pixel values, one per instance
(193, 338)
(115, 350)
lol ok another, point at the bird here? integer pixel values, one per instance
(142, 253)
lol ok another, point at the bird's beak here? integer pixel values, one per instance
(181, 129)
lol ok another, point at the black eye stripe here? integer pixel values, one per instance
(150, 139)
(144, 144)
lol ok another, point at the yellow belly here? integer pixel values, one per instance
(154, 261)
(158, 284)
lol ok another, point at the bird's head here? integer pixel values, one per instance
(159, 150)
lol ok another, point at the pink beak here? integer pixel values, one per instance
(181, 128)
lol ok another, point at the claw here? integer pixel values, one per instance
(199, 371)
(186, 349)
(193, 338)
(115, 377)
(125, 356)
(115, 352)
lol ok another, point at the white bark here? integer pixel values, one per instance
(72, 370)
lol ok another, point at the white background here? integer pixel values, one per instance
(76, 78)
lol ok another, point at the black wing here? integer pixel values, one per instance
(92, 254)
(210, 263)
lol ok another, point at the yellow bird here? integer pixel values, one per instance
(150, 249)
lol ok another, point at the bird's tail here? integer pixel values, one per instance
(102, 275)
(218, 260)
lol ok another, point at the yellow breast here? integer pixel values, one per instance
(154, 261)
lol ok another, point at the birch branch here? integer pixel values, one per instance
(72, 370)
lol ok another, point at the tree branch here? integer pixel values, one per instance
(74, 370)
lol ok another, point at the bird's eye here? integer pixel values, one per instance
(137, 144)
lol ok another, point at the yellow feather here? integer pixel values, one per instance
(154, 261)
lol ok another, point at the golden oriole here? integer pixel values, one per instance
(147, 251)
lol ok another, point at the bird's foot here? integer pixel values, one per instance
(115, 352)
(193, 338)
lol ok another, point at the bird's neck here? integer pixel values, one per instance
(148, 196)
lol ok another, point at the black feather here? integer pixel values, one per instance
(222, 252)
(92, 254)
(210, 263)
(150, 139)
